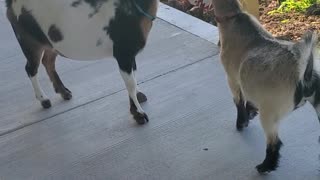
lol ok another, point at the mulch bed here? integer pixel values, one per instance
(289, 26)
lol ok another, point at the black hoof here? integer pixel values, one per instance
(242, 125)
(271, 161)
(141, 97)
(46, 104)
(252, 114)
(265, 168)
(251, 110)
(242, 115)
(66, 94)
(141, 118)
(67, 90)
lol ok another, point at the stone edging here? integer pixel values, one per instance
(188, 23)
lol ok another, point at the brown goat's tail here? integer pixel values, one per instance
(307, 50)
(310, 37)
(309, 42)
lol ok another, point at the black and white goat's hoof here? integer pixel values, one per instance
(141, 97)
(141, 118)
(46, 104)
(66, 94)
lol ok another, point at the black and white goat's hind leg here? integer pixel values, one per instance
(34, 53)
(126, 62)
(270, 118)
(32, 66)
(34, 56)
(48, 60)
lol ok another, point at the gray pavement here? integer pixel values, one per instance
(191, 133)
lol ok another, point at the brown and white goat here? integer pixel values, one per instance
(274, 76)
(82, 30)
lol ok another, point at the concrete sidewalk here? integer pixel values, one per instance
(191, 133)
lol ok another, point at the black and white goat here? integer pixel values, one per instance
(274, 76)
(82, 30)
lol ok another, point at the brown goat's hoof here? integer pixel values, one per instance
(141, 118)
(251, 110)
(264, 168)
(46, 104)
(270, 164)
(252, 114)
(241, 126)
(141, 97)
(271, 161)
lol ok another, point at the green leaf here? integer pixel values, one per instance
(293, 6)
(285, 21)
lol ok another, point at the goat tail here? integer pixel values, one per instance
(311, 38)
(307, 47)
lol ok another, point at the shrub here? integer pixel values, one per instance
(294, 5)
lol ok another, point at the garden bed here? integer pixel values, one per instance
(289, 25)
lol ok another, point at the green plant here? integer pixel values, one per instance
(294, 5)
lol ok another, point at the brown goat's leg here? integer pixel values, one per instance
(48, 60)
(270, 122)
(242, 114)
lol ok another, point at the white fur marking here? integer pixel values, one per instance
(131, 85)
(40, 95)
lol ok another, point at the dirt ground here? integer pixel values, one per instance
(289, 26)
